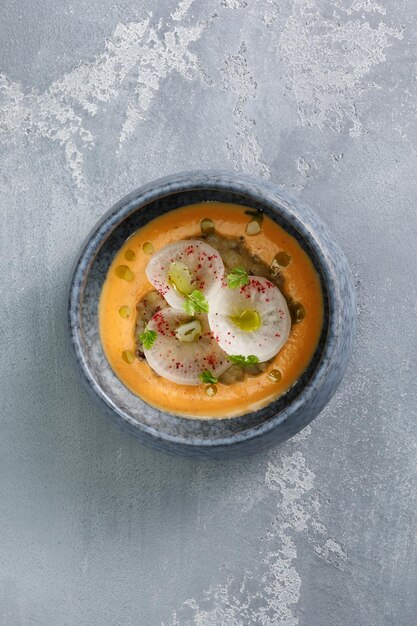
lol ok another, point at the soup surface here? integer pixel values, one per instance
(126, 285)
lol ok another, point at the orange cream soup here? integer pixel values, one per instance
(118, 333)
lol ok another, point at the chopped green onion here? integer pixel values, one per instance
(188, 332)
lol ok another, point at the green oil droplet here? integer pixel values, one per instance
(249, 320)
(180, 277)
(147, 247)
(125, 273)
(211, 390)
(129, 255)
(125, 311)
(128, 356)
(275, 376)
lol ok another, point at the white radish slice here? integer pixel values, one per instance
(196, 266)
(183, 361)
(259, 307)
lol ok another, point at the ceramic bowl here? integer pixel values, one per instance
(223, 438)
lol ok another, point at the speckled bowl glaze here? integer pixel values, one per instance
(213, 438)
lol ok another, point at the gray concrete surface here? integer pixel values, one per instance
(97, 98)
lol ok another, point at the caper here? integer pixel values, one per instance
(298, 312)
(124, 272)
(124, 311)
(129, 255)
(211, 390)
(253, 228)
(147, 247)
(283, 258)
(128, 356)
(207, 226)
(275, 376)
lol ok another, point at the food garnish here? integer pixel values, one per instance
(147, 338)
(207, 377)
(195, 302)
(238, 277)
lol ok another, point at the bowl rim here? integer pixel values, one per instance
(261, 191)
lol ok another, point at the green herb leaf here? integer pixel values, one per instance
(195, 302)
(257, 215)
(238, 277)
(238, 359)
(148, 338)
(207, 377)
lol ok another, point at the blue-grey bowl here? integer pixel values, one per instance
(213, 438)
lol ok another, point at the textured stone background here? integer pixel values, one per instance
(97, 98)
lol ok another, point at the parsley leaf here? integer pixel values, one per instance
(238, 359)
(195, 302)
(148, 338)
(207, 377)
(238, 277)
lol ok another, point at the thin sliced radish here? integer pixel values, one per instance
(183, 361)
(182, 267)
(253, 319)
